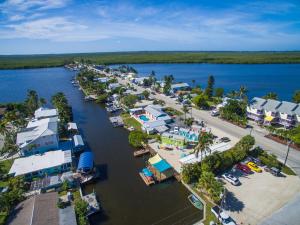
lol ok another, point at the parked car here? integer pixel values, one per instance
(274, 171)
(255, 160)
(244, 168)
(231, 179)
(215, 112)
(222, 216)
(176, 130)
(254, 167)
(225, 139)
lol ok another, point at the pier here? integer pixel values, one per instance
(141, 152)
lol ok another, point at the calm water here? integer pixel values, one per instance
(283, 79)
(125, 198)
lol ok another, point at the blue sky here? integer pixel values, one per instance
(66, 26)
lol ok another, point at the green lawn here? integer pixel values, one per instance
(129, 121)
(4, 169)
(288, 171)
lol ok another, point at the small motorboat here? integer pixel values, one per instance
(195, 201)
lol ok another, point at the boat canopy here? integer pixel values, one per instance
(147, 172)
(162, 166)
(78, 140)
(154, 159)
(85, 162)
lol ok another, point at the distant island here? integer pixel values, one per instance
(108, 58)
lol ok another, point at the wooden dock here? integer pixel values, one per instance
(147, 181)
(141, 152)
(116, 121)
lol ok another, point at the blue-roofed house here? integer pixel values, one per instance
(86, 162)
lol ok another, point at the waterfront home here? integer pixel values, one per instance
(156, 126)
(103, 80)
(154, 112)
(39, 136)
(78, 143)
(287, 117)
(42, 113)
(114, 86)
(255, 109)
(40, 209)
(160, 168)
(270, 111)
(297, 115)
(51, 162)
(131, 76)
(173, 140)
(180, 87)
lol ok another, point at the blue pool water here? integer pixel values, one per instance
(144, 118)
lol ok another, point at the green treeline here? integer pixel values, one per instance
(38, 61)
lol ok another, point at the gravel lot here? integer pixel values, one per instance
(259, 195)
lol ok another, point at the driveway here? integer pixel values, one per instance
(259, 195)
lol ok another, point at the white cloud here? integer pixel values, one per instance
(23, 5)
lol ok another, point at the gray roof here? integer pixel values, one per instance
(297, 110)
(271, 105)
(45, 112)
(154, 111)
(257, 103)
(180, 85)
(287, 108)
(154, 124)
(78, 140)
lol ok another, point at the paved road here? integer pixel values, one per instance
(222, 128)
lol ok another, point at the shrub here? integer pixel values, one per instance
(191, 173)
(136, 138)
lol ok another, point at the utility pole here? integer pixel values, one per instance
(287, 153)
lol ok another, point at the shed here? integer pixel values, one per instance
(86, 163)
(78, 143)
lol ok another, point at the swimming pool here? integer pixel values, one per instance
(144, 118)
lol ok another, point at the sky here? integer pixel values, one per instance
(71, 26)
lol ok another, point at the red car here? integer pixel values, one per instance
(243, 168)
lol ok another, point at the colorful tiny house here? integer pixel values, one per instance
(173, 140)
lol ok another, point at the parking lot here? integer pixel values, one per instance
(259, 195)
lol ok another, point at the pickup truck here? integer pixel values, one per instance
(222, 216)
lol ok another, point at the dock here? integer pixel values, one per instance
(116, 121)
(91, 200)
(147, 181)
(141, 152)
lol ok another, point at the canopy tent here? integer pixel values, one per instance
(85, 162)
(147, 172)
(269, 118)
(161, 166)
(154, 159)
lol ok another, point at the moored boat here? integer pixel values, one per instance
(195, 201)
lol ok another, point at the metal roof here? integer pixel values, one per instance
(271, 105)
(154, 111)
(257, 103)
(287, 108)
(85, 161)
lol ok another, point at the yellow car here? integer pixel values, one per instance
(254, 167)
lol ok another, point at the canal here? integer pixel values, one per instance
(124, 197)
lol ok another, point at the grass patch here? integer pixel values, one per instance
(3, 217)
(131, 122)
(4, 169)
(172, 112)
(288, 171)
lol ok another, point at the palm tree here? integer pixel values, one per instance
(42, 102)
(271, 95)
(232, 94)
(185, 109)
(204, 141)
(242, 92)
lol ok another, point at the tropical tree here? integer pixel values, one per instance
(271, 95)
(210, 185)
(146, 94)
(296, 96)
(242, 92)
(219, 92)
(210, 86)
(185, 110)
(42, 102)
(205, 139)
(201, 101)
(232, 94)
(32, 101)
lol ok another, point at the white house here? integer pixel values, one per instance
(270, 111)
(42, 113)
(297, 115)
(156, 113)
(287, 114)
(51, 162)
(179, 87)
(255, 109)
(139, 80)
(157, 126)
(39, 136)
(113, 86)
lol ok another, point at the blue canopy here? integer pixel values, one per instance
(85, 162)
(147, 172)
(162, 166)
